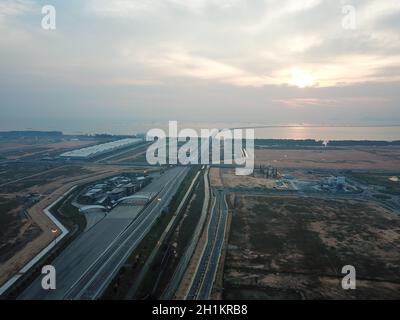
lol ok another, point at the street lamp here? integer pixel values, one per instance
(54, 231)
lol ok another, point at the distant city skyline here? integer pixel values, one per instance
(262, 61)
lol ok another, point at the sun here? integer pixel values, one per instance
(301, 79)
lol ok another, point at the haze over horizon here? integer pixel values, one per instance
(269, 61)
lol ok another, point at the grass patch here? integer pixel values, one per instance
(380, 180)
(380, 196)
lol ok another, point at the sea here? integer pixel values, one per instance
(323, 132)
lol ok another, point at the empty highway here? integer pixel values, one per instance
(204, 277)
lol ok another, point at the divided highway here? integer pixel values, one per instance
(206, 270)
(179, 272)
(94, 282)
(88, 265)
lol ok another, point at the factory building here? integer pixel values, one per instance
(138, 199)
(268, 172)
(333, 182)
(108, 192)
(97, 150)
(117, 193)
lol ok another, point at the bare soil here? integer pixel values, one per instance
(295, 248)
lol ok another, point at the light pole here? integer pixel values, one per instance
(54, 231)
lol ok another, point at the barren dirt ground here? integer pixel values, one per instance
(229, 179)
(343, 159)
(215, 177)
(23, 150)
(294, 248)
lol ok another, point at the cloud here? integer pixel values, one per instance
(129, 8)
(259, 53)
(180, 63)
(15, 7)
(333, 102)
(121, 8)
(242, 44)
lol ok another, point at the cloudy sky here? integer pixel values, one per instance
(270, 61)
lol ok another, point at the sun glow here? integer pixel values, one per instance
(301, 79)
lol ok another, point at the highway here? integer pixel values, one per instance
(184, 261)
(165, 235)
(97, 278)
(206, 270)
(88, 265)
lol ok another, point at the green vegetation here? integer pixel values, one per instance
(381, 180)
(180, 236)
(15, 171)
(68, 214)
(7, 219)
(10, 224)
(251, 293)
(191, 219)
(47, 177)
(178, 197)
(380, 196)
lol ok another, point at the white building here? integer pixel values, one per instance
(94, 151)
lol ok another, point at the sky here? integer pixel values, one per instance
(264, 61)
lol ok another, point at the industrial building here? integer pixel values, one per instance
(268, 172)
(97, 150)
(110, 191)
(333, 182)
(138, 199)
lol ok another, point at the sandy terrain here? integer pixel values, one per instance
(33, 176)
(130, 157)
(72, 144)
(226, 177)
(294, 248)
(215, 177)
(18, 150)
(229, 179)
(380, 158)
(10, 146)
